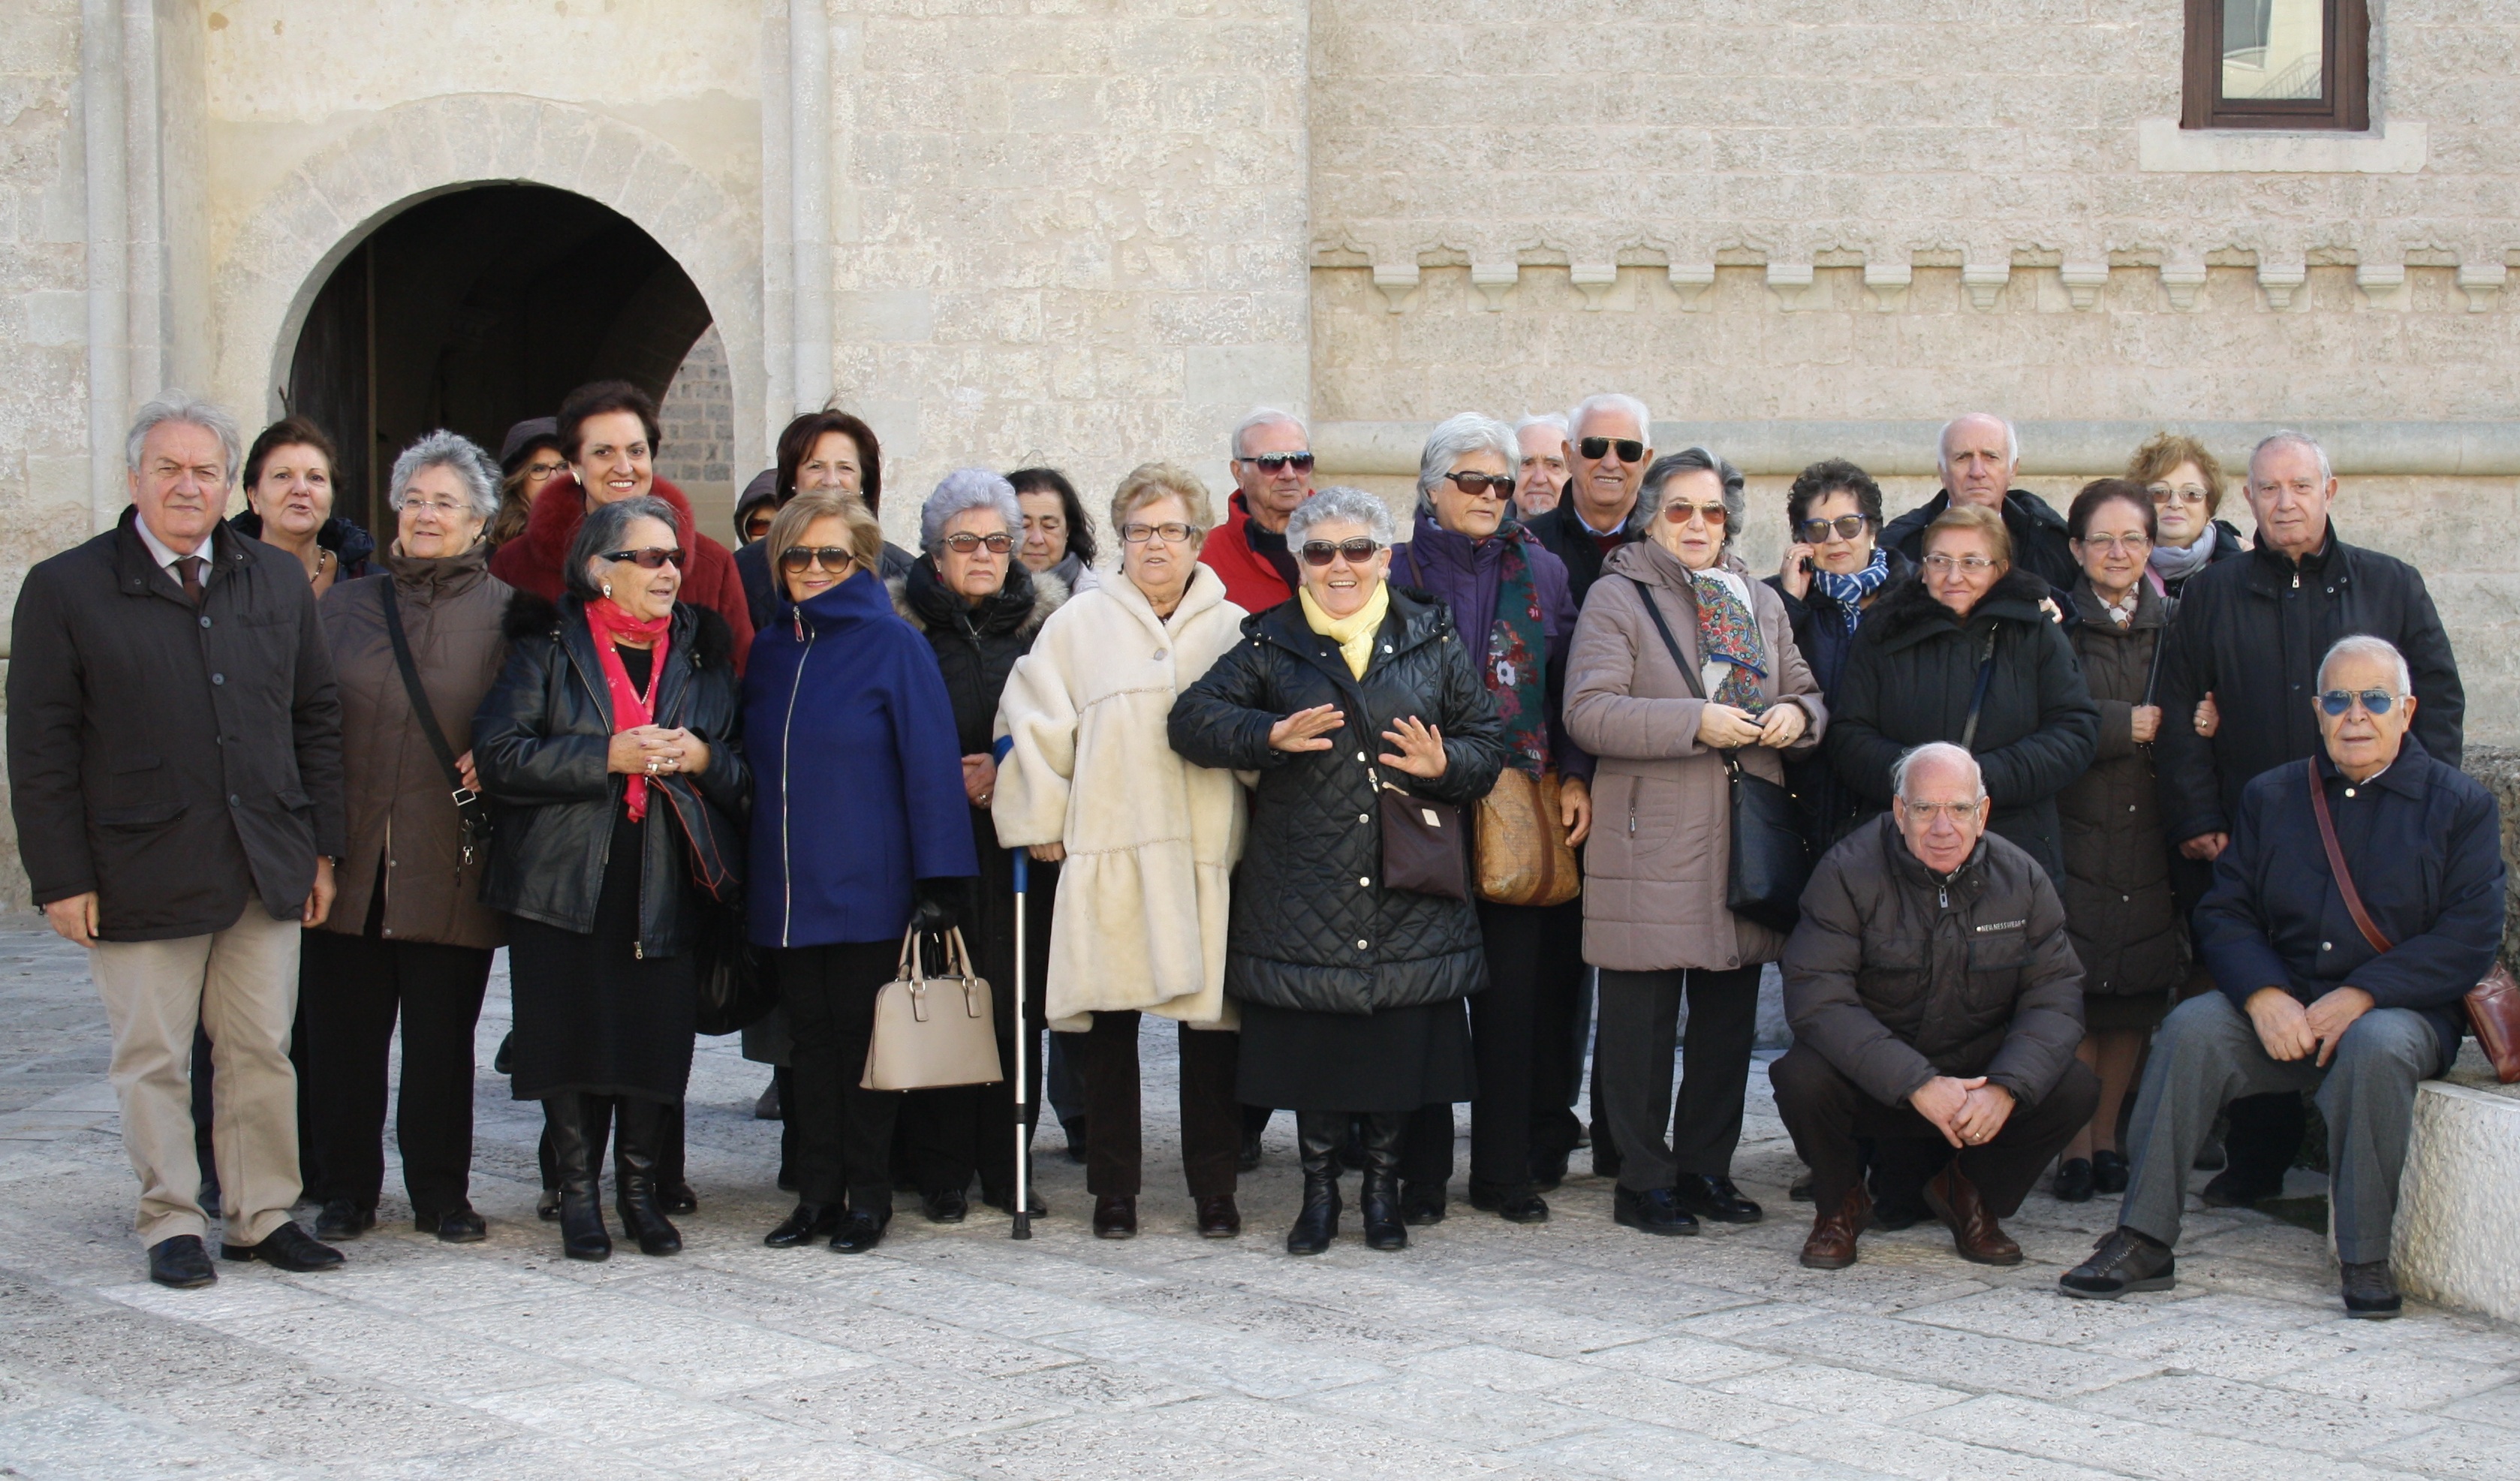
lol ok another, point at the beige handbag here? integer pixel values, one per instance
(1523, 855)
(932, 1031)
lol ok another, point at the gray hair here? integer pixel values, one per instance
(191, 411)
(1935, 750)
(456, 452)
(1340, 505)
(1456, 437)
(1610, 401)
(2366, 645)
(1943, 438)
(602, 532)
(961, 491)
(1694, 459)
(1263, 416)
(1555, 420)
(2284, 438)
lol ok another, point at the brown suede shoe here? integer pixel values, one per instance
(1218, 1218)
(1831, 1245)
(1974, 1232)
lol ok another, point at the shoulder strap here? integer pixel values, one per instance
(419, 706)
(1977, 700)
(1687, 674)
(2336, 859)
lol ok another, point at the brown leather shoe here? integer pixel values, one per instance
(1974, 1232)
(1218, 1218)
(1831, 1245)
(1115, 1216)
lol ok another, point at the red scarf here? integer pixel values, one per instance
(630, 708)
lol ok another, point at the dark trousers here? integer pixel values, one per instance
(1640, 1015)
(353, 988)
(1515, 1056)
(1826, 1112)
(1105, 1058)
(843, 1133)
(1561, 1029)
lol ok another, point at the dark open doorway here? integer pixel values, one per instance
(475, 310)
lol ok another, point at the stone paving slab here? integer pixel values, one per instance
(1487, 1350)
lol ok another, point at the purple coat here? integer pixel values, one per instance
(1462, 574)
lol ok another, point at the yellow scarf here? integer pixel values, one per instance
(1353, 635)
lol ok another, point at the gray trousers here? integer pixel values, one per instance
(2207, 1054)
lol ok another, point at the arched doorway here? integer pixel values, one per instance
(476, 309)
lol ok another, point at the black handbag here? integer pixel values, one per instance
(1424, 847)
(472, 809)
(737, 984)
(1770, 858)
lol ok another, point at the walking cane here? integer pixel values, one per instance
(1023, 1032)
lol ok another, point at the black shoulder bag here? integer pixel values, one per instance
(1772, 860)
(472, 809)
(1978, 698)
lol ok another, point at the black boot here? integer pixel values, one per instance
(1318, 1134)
(673, 1189)
(581, 1215)
(634, 1175)
(1380, 1199)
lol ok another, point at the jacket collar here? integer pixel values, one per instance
(1910, 614)
(1905, 863)
(1431, 544)
(1206, 589)
(1414, 623)
(2404, 776)
(861, 599)
(1646, 561)
(1020, 606)
(2022, 510)
(137, 574)
(339, 534)
(2271, 571)
(2151, 609)
(561, 508)
(446, 575)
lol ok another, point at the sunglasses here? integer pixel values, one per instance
(966, 542)
(1679, 510)
(1278, 462)
(832, 557)
(1483, 485)
(1630, 449)
(1322, 552)
(653, 557)
(1848, 526)
(2374, 701)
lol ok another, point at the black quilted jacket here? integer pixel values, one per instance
(1313, 928)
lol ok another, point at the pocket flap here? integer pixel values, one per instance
(293, 799)
(144, 815)
(137, 762)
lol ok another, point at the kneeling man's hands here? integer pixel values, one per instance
(1942, 1101)
(1983, 1113)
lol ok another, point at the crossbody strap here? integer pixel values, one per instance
(467, 800)
(1687, 675)
(1977, 700)
(2336, 859)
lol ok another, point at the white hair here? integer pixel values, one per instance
(2366, 645)
(2290, 438)
(1936, 750)
(1340, 505)
(1942, 440)
(455, 452)
(961, 491)
(1453, 438)
(1553, 420)
(1263, 416)
(191, 411)
(1610, 401)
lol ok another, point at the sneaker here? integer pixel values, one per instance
(2123, 1261)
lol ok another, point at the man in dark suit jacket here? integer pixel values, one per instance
(175, 771)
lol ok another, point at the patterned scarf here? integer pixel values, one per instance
(630, 708)
(1516, 671)
(1850, 593)
(1729, 635)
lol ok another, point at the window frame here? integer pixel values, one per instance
(2345, 78)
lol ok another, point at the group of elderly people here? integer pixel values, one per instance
(1245, 773)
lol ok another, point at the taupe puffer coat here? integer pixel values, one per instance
(1661, 848)
(2118, 903)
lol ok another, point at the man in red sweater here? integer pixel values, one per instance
(1273, 473)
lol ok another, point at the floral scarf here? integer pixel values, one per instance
(630, 708)
(1729, 635)
(1850, 593)
(1516, 670)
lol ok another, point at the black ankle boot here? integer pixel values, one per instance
(633, 1174)
(1380, 1199)
(581, 1215)
(1318, 1134)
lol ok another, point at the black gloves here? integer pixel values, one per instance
(938, 905)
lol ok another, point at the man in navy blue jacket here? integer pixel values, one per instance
(2312, 1000)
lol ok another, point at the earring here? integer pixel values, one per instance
(607, 588)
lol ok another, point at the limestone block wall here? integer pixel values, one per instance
(698, 419)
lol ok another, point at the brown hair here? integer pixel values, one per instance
(1972, 516)
(797, 514)
(2099, 491)
(288, 431)
(802, 433)
(1150, 482)
(2159, 457)
(598, 398)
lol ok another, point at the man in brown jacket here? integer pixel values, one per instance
(1932, 994)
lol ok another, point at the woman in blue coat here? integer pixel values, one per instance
(858, 828)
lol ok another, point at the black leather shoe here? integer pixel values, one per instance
(1218, 1218)
(859, 1232)
(456, 1226)
(1801, 1191)
(180, 1262)
(946, 1205)
(1250, 1160)
(2228, 1188)
(1003, 1199)
(343, 1219)
(1654, 1210)
(807, 1223)
(501, 1061)
(1422, 1204)
(1712, 1197)
(1606, 1157)
(2109, 1172)
(1515, 1205)
(765, 1106)
(2369, 1294)
(1548, 1171)
(2123, 1261)
(288, 1248)
(2074, 1182)
(547, 1207)
(678, 1198)
(1115, 1216)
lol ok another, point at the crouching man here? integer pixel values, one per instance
(2352, 1005)
(1933, 997)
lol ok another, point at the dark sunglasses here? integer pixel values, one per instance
(1278, 462)
(653, 557)
(2376, 702)
(1679, 510)
(1848, 526)
(1476, 485)
(795, 557)
(1630, 449)
(1322, 552)
(966, 542)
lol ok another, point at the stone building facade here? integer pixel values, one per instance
(1096, 232)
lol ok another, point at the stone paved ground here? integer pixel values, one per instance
(1571, 1349)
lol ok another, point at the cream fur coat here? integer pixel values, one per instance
(1152, 840)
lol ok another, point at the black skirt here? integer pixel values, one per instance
(1396, 1060)
(592, 1017)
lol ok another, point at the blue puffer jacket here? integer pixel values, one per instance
(860, 780)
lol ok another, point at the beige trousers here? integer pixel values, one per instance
(241, 984)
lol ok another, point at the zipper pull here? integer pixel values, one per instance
(2296, 580)
(1945, 893)
(801, 626)
(639, 951)
(1632, 819)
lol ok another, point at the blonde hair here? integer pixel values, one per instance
(1153, 482)
(797, 514)
(2159, 457)
(1972, 517)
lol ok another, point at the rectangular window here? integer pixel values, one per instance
(2278, 63)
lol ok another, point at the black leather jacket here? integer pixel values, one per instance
(539, 742)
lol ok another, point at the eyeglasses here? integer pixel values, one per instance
(1483, 485)
(653, 557)
(545, 470)
(1930, 812)
(2163, 493)
(1941, 564)
(439, 506)
(1322, 552)
(966, 542)
(1848, 526)
(1678, 511)
(2116, 543)
(1172, 533)
(2374, 701)
(1278, 463)
(1630, 449)
(832, 557)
